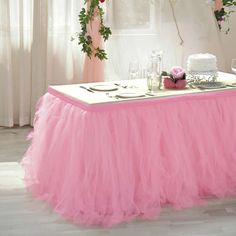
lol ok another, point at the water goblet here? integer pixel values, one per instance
(233, 65)
(133, 71)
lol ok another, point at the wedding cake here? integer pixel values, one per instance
(202, 62)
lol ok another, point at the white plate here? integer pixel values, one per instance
(232, 85)
(210, 85)
(130, 95)
(104, 87)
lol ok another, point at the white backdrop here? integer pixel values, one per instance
(228, 43)
(36, 51)
(196, 24)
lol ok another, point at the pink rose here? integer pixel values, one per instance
(177, 72)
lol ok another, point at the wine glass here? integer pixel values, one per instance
(133, 71)
(233, 68)
(233, 65)
(148, 75)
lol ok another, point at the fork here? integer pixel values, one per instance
(122, 86)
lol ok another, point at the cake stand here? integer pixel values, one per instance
(202, 76)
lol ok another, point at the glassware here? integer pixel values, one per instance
(133, 71)
(154, 79)
(233, 65)
(156, 60)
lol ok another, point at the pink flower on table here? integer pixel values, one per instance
(177, 72)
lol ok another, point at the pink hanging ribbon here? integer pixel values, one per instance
(94, 67)
(218, 5)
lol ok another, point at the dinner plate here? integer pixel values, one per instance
(130, 95)
(210, 85)
(232, 85)
(104, 87)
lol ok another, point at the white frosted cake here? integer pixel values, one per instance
(202, 62)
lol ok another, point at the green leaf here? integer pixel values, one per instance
(164, 73)
(101, 54)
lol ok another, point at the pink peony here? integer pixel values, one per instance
(177, 72)
(181, 84)
(168, 83)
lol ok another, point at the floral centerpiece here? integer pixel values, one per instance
(176, 79)
(87, 16)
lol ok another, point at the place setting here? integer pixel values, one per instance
(114, 91)
(126, 89)
(129, 90)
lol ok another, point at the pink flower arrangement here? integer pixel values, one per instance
(176, 79)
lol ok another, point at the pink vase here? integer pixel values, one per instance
(169, 84)
(181, 84)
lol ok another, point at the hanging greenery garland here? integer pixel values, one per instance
(223, 14)
(85, 40)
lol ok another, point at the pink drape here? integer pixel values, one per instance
(94, 67)
(218, 5)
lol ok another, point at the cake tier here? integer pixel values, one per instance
(202, 62)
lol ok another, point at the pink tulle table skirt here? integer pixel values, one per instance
(106, 164)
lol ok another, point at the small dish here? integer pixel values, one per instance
(104, 87)
(232, 85)
(130, 95)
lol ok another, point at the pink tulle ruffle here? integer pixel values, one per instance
(110, 166)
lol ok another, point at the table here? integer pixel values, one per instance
(107, 162)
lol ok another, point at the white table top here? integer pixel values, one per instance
(97, 97)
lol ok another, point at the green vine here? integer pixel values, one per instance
(223, 15)
(84, 39)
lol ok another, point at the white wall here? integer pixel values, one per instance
(229, 42)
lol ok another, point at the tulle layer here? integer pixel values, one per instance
(110, 166)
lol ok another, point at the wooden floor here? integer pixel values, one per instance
(23, 216)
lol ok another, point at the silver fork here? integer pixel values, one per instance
(110, 96)
(122, 86)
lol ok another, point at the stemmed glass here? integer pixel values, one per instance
(233, 68)
(133, 71)
(233, 65)
(148, 75)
